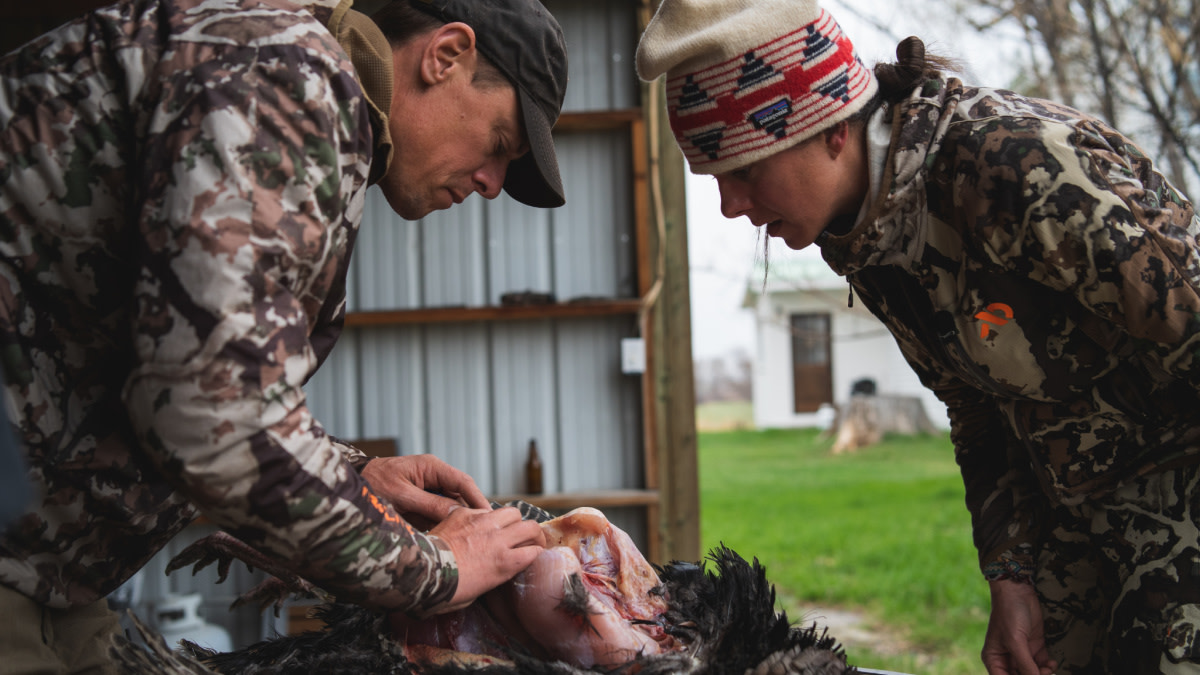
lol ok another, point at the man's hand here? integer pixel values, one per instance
(1016, 642)
(422, 488)
(490, 547)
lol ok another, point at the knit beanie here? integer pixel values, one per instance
(748, 78)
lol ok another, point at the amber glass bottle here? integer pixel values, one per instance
(533, 470)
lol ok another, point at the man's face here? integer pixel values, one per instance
(459, 140)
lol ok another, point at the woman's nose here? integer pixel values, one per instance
(734, 199)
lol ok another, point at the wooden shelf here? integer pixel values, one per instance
(562, 310)
(598, 498)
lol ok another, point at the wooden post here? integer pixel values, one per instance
(671, 353)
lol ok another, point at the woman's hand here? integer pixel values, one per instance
(490, 547)
(422, 488)
(1016, 641)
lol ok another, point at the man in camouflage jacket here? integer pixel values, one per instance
(180, 187)
(1044, 280)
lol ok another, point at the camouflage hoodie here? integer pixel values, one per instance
(180, 186)
(1044, 281)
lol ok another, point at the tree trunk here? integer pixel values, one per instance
(866, 418)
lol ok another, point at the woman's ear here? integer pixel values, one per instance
(836, 138)
(450, 48)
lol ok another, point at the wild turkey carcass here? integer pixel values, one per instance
(589, 603)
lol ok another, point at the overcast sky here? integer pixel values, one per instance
(722, 251)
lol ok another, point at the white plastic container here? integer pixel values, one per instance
(178, 618)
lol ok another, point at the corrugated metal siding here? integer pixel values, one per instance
(453, 256)
(475, 394)
(594, 245)
(393, 386)
(335, 394)
(387, 255)
(519, 241)
(525, 403)
(599, 416)
(457, 395)
(601, 40)
(474, 253)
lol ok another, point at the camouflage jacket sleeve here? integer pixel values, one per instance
(1078, 210)
(1000, 488)
(357, 458)
(255, 171)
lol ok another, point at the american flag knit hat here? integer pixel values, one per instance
(748, 78)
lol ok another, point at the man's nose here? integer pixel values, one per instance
(489, 179)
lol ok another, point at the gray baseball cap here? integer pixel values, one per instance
(525, 42)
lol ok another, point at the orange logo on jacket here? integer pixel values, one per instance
(388, 514)
(997, 314)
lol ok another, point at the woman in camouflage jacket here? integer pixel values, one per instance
(1038, 274)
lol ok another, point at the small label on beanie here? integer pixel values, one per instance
(773, 118)
(771, 114)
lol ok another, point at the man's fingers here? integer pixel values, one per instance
(1046, 665)
(528, 533)
(522, 557)
(1022, 658)
(491, 546)
(429, 507)
(439, 475)
(472, 496)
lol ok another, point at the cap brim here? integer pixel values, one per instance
(533, 177)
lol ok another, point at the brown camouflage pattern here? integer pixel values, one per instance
(1041, 277)
(1119, 578)
(180, 186)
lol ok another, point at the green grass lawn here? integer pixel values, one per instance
(883, 531)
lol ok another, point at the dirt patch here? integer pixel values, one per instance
(723, 425)
(856, 631)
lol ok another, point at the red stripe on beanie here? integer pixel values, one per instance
(774, 94)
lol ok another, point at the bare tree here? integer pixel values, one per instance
(724, 378)
(1135, 63)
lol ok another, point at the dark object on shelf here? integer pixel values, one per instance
(525, 298)
(533, 470)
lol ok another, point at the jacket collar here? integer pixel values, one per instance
(371, 55)
(892, 230)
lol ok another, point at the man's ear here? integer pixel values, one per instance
(449, 49)
(836, 138)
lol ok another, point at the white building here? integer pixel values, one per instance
(812, 347)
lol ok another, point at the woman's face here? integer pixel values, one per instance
(797, 192)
